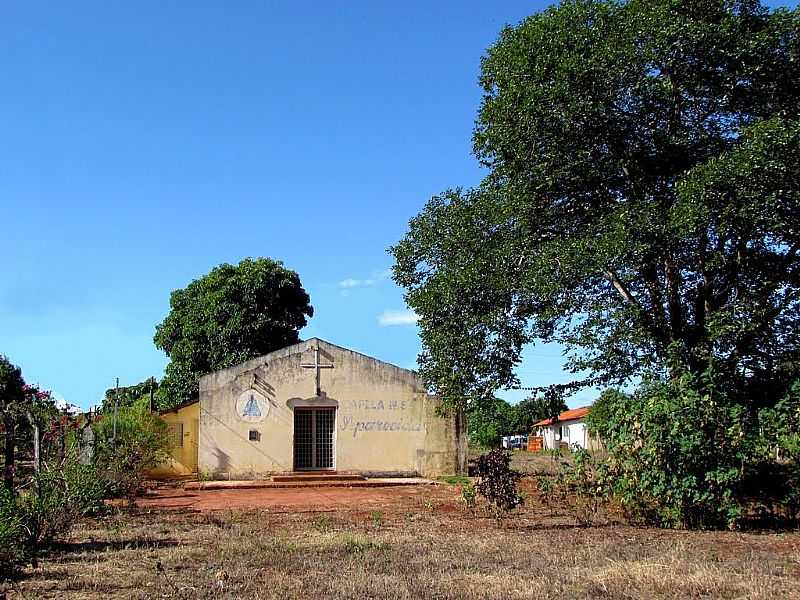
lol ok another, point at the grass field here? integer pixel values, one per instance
(429, 548)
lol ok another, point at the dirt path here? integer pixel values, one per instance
(311, 499)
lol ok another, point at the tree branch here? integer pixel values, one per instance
(621, 288)
(646, 317)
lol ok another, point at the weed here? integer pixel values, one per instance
(361, 545)
(322, 523)
(468, 495)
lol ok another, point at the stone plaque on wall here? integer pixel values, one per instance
(252, 406)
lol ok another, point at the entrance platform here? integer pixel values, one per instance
(309, 480)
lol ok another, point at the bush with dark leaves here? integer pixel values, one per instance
(497, 481)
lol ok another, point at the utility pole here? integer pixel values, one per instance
(37, 459)
(116, 404)
(152, 385)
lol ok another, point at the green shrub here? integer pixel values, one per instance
(468, 495)
(685, 453)
(59, 496)
(12, 534)
(140, 444)
(582, 481)
(780, 453)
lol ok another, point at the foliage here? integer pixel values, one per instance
(127, 395)
(549, 492)
(12, 551)
(12, 398)
(12, 385)
(468, 495)
(640, 206)
(687, 453)
(230, 315)
(58, 495)
(22, 406)
(497, 481)
(140, 444)
(487, 422)
(584, 480)
(536, 408)
(454, 479)
(780, 427)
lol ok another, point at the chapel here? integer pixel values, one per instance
(314, 406)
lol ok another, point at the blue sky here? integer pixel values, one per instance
(144, 143)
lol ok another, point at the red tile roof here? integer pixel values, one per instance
(567, 415)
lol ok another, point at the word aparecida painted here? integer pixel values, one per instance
(347, 423)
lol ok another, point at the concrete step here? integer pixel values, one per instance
(316, 476)
(268, 484)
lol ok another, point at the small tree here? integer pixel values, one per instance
(25, 410)
(498, 481)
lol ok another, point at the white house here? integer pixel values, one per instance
(566, 429)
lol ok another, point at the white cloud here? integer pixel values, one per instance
(350, 283)
(389, 318)
(375, 279)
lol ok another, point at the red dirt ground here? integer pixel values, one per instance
(310, 499)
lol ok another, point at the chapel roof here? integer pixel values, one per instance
(299, 348)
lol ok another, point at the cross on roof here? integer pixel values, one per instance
(316, 365)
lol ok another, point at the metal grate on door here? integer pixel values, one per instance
(303, 439)
(324, 438)
(313, 438)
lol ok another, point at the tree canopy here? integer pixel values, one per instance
(129, 395)
(232, 314)
(489, 421)
(641, 205)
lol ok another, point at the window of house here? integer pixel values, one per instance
(254, 435)
(565, 433)
(175, 435)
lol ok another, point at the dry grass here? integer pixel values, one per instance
(534, 463)
(531, 463)
(430, 550)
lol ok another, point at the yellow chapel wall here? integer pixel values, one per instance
(184, 421)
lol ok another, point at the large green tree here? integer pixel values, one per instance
(232, 314)
(641, 203)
